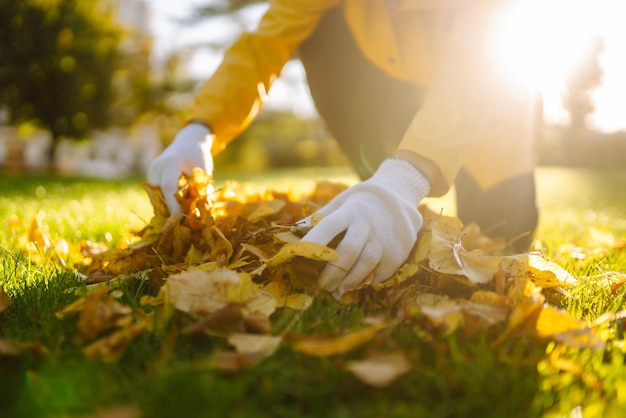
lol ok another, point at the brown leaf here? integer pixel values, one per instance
(5, 300)
(231, 361)
(16, 348)
(101, 312)
(111, 347)
(231, 319)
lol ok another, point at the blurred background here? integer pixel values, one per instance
(98, 87)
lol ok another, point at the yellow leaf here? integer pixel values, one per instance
(526, 299)
(487, 314)
(562, 326)
(442, 312)
(309, 250)
(37, 236)
(194, 197)
(286, 236)
(380, 370)
(298, 301)
(448, 256)
(535, 267)
(325, 347)
(611, 280)
(157, 200)
(269, 208)
(284, 298)
(266, 345)
(200, 293)
(111, 347)
(262, 302)
(220, 249)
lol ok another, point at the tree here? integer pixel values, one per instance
(581, 83)
(57, 61)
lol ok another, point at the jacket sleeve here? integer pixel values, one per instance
(469, 93)
(231, 98)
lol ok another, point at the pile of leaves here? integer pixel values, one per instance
(235, 257)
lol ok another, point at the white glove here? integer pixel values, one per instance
(191, 148)
(381, 221)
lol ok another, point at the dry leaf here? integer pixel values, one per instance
(562, 326)
(5, 300)
(286, 298)
(231, 361)
(448, 256)
(111, 347)
(37, 236)
(331, 346)
(16, 348)
(201, 293)
(441, 311)
(380, 370)
(267, 209)
(264, 345)
(611, 280)
(308, 250)
(535, 267)
(101, 312)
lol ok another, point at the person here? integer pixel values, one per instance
(413, 94)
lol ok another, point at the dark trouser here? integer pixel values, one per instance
(368, 112)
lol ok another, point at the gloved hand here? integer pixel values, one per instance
(191, 148)
(381, 221)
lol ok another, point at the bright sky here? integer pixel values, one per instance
(559, 36)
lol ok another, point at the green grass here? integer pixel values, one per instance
(451, 376)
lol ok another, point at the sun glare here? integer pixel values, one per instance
(539, 41)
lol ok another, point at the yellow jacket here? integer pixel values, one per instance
(413, 42)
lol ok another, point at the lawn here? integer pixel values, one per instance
(44, 371)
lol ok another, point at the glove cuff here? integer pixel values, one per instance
(195, 131)
(403, 178)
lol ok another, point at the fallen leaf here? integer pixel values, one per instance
(231, 319)
(308, 250)
(14, 348)
(37, 235)
(443, 312)
(331, 346)
(537, 268)
(285, 297)
(231, 361)
(101, 312)
(5, 300)
(111, 347)
(448, 256)
(202, 293)
(264, 345)
(380, 370)
(269, 208)
(611, 280)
